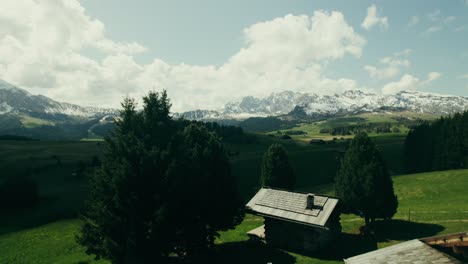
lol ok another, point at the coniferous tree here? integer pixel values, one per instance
(440, 145)
(135, 212)
(418, 149)
(363, 182)
(276, 169)
(202, 191)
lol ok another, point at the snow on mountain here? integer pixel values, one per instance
(5, 108)
(199, 115)
(17, 100)
(348, 102)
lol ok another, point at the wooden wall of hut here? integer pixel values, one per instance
(296, 237)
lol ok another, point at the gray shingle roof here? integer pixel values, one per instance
(409, 252)
(291, 206)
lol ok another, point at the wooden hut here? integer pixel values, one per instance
(295, 221)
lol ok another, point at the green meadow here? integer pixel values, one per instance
(429, 203)
(312, 130)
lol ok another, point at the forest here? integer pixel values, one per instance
(440, 145)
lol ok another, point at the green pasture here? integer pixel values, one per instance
(436, 201)
(430, 203)
(312, 130)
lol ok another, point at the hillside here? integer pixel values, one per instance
(53, 164)
(37, 116)
(432, 198)
(375, 124)
(16, 100)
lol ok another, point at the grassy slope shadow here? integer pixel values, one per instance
(404, 230)
(248, 252)
(349, 245)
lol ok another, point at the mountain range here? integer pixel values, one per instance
(346, 103)
(22, 113)
(16, 100)
(38, 116)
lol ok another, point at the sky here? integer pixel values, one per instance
(206, 53)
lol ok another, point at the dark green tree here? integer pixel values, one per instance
(202, 191)
(276, 169)
(363, 182)
(418, 149)
(139, 195)
(440, 145)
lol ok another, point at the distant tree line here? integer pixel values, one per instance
(440, 145)
(294, 132)
(355, 129)
(266, 124)
(228, 133)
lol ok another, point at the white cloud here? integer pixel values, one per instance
(434, 16)
(449, 19)
(439, 22)
(373, 19)
(414, 20)
(432, 76)
(381, 73)
(42, 47)
(389, 66)
(433, 29)
(463, 76)
(409, 83)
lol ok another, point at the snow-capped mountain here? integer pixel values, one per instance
(349, 102)
(14, 100)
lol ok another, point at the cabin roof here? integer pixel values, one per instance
(410, 252)
(292, 206)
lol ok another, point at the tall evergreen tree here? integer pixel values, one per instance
(276, 169)
(135, 212)
(418, 149)
(439, 145)
(363, 182)
(202, 191)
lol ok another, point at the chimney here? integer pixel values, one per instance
(310, 201)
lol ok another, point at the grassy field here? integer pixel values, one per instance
(436, 200)
(312, 130)
(45, 233)
(30, 122)
(52, 166)
(429, 204)
(313, 164)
